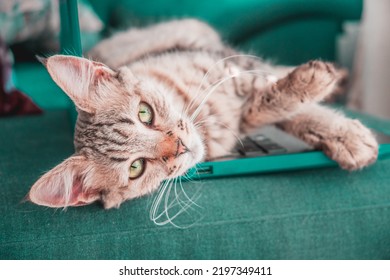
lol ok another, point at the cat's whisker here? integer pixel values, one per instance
(157, 201)
(191, 179)
(201, 122)
(186, 205)
(187, 197)
(181, 202)
(69, 51)
(215, 85)
(177, 197)
(188, 178)
(208, 73)
(190, 104)
(207, 117)
(204, 121)
(224, 125)
(211, 121)
(181, 211)
(165, 192)
(170, 219)
(166, 200)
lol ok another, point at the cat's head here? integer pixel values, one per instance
(131, 134)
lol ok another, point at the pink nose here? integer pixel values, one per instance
(181, 148)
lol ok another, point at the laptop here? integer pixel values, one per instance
(270, 149)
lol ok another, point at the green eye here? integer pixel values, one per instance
(136, 168)
(145, 113)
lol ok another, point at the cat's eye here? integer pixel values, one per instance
(145, 113)
(137, 168)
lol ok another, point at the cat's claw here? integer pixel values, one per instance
(354, 149)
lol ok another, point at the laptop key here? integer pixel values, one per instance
(249, 148)
(275, 149)
(268, 145)
(258, 137)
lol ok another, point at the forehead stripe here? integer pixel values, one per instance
(125, 120)
(114, 141)
(120, 132)
(104, 153)
(100, 124)
(171, 83)
(96, 150)
(118, 159)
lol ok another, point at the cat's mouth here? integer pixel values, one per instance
(197, 148)
(197, 154)
(188, 155)
(181, 148)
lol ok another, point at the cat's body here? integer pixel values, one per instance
(175, 95)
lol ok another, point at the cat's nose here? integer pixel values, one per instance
(181, 148)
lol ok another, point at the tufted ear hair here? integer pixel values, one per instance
(63, 185)
(78, 78)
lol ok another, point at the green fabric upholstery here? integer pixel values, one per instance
(34, 80)
(313, 214)
(287, 31)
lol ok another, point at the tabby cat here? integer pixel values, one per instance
(172, 95)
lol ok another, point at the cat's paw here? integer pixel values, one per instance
(341, 86)
(353, 149)
(314, 80)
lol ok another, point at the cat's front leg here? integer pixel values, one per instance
(304, 85)
(344, 140)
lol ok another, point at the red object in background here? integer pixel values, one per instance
(12, 101)
(16, 103)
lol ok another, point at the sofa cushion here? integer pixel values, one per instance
(288, 32)
(34, 80)
(313, 214)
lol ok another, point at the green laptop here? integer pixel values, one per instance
(270, 150)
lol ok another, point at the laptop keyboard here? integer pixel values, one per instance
(268, 140)
(258, 144)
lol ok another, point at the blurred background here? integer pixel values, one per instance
(348, 32)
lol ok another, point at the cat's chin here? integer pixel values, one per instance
(188, 160)
(198, 154)
(197, 151)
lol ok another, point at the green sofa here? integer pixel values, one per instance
(313, 214)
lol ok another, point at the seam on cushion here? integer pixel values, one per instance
(349, 212)
(317, 214)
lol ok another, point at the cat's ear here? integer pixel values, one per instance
(77, 77)
(63, 185)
